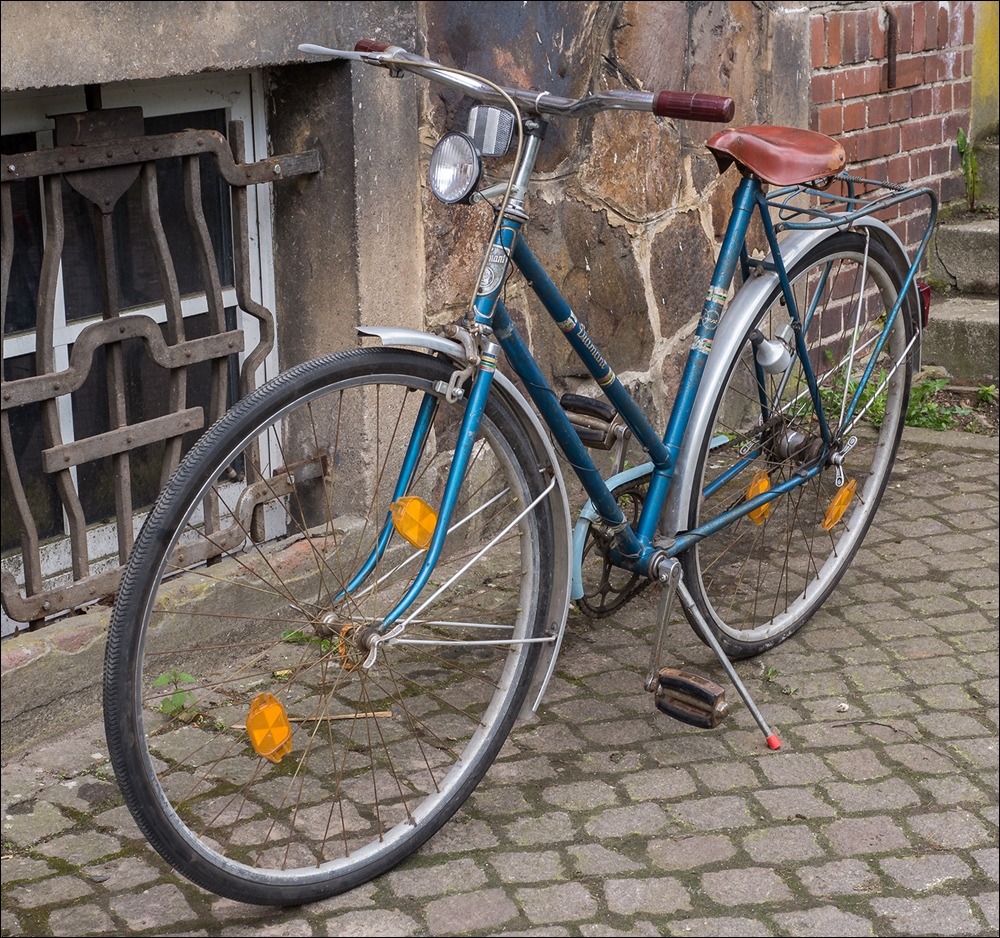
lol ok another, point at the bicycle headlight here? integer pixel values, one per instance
(455, 168)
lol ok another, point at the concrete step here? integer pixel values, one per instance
(965, 255)
(963, 337)
(988, 162)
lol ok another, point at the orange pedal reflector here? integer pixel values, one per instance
(839, 504)
(268, 727)
(760, 484)
(415, 520)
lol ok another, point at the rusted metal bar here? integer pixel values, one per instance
(100, 155)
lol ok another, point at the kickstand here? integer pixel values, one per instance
(706, 633)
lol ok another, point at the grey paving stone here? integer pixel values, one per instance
(49, 892)
(450, 876)
(951, 829)
(925, 872)
(567, 902)
(841, 877)
(745, 887)
(28, 823)
(14, 869)
(578, 795)
(652, 896)
(529, 867)
(823, 922)
(939, 915)
(80, 920)
(714, 813)
(872, 795)
(599, 861)
(734, 927)
(80, 849)
(375, 923)
(778, 845)
(685, 853)
(642, 818)
(655, 784)
(783, 803)
(471, 911)
(157, 907)
(855, 836)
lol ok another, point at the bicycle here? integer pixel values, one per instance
(341, 602)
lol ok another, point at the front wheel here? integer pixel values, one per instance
(760, 579)
(261, 748)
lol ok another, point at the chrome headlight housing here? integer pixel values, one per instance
(455, 168)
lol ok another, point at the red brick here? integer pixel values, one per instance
(900, 108)
(849, 38)
(833, 39)
(952, 188)
(941, 159)
(920, 165)
(898, 170)
(887, 140)
(814, 120)
(864, 38)
(914, 229)
(851, 148)
(904, 19)
(856, 82)
(878, 111)
(967, 58)
(909, 72)
(822, 88)
(952, 123)
(969, 24)
(877, 34)
(961, 95)
(919, 27)
(831, 120)
(941, 96)
(855, 115)
(817, 25)
(944, 27)
(922, 133)
(921, 102)
(942, 66)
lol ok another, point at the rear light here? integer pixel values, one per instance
(924, 289)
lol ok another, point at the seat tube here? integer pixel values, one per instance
(739, 222)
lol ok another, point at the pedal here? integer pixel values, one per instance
(692, 699)
(597, 423)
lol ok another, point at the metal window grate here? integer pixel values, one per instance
(101, 155)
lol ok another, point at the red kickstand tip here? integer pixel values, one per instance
(773, 742)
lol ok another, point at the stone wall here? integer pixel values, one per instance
(628, 209)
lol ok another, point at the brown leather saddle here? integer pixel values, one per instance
(784, 156)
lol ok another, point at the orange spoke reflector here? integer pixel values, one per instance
(414, 519)
(839, 504)
(269, 729)
(760, 484)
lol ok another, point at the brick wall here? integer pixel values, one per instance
(905, 133)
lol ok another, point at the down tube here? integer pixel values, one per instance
(520, 359)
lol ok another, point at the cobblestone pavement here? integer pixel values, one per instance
(603, 817)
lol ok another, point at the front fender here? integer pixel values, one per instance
(545, 454)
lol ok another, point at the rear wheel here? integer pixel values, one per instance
(759, 579)
(261, 747)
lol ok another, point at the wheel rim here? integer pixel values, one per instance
(761, 579)
(379, 757)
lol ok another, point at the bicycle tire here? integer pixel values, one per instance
(759, 580)
(380, 758)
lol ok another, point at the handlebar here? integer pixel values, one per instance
(682, 105)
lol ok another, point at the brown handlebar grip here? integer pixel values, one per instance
(371, 45)
(686, 105)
